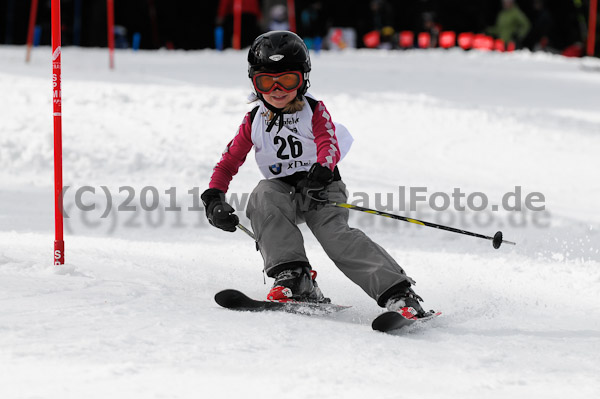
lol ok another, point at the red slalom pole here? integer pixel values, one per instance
(237, 24)
(291, 8)
(59, 244)
(591, 40)
(32, 18)
(110, 13)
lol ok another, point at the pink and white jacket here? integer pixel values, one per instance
(306, 137)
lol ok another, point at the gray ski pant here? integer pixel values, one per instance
(274, 210)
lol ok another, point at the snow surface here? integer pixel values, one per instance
(132, 314)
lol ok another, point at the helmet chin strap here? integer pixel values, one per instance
(277, 113)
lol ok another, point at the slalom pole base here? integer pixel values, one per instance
(59, 252)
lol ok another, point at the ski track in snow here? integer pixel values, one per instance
(132, 313)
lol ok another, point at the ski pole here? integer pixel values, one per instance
(247, 231)
(496, 239)
(251, 235)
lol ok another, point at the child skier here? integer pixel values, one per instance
(297, 149)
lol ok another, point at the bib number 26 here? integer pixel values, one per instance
(294, 144)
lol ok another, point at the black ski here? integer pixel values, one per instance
(236, 300)
(385, 322)
(392, 321)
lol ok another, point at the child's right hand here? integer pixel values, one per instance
(218, 212)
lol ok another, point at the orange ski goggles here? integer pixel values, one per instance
(287, 81)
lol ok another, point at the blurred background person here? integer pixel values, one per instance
(278, 18)
(431, 26)
(382, 14)
(542, 23)
(512, 25)
(312, 24)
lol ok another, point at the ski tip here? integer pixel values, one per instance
(394, 321)
(229, 298)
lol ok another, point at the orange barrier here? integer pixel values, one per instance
(372, 39)
(483, 42)
(424, 40)
(406, 39)
(499, 45)
(465, 40)
(447, 39)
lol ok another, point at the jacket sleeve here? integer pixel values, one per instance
(328, 151)
(233, 157)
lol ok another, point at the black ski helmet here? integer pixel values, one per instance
(279, 51)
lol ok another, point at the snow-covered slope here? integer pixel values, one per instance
(132, 314)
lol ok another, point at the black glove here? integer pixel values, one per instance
(314, 186)
(218, 212)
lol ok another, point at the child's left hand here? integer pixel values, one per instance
(314, 186)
